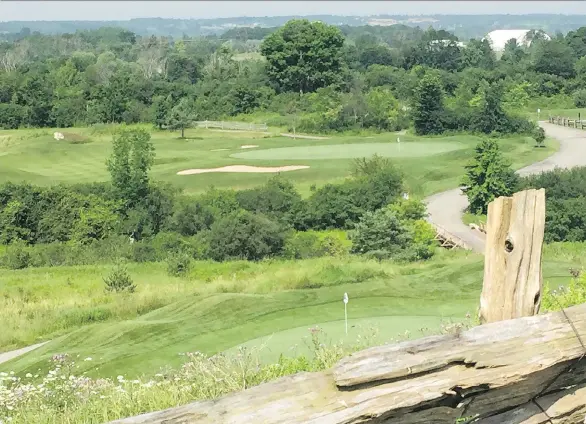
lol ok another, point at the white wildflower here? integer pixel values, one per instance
(28, 375)
(88, 359)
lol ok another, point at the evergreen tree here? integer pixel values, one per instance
(489, 176)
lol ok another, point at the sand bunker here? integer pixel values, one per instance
(244, 168)
(218, 150)
(248, 146)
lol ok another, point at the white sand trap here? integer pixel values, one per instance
(244, 168)
(249, 146)
(218, 150)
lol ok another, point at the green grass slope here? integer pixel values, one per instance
(221, 315)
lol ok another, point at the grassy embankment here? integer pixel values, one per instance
(219, 306)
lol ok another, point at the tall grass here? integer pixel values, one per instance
(39, 303)
(64, 396)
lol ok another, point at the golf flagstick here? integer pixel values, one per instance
(346, 311)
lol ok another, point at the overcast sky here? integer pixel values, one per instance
(122, 10)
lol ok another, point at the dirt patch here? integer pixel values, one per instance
(245, 169)
(249, 146)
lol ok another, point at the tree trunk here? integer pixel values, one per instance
(512, 262)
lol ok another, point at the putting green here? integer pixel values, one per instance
(378, 330)
(351, 151)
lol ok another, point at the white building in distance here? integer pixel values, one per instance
(499, 38)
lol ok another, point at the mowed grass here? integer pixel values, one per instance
(221, 306)
(430, 164)
(546, 112)
(351, 151)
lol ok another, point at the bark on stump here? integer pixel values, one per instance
(512, 263)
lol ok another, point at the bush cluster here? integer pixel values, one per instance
(565, 208)
(87, 224)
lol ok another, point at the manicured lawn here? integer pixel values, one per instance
(391, 149)
(430, 164)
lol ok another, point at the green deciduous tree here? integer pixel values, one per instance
(181, 116)
(243, 235)
(380, 231)
(428, 106)
(304, 56)
(491, 117)
(555, 58)
(129, 164)
(488, 176)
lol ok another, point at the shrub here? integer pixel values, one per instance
(220, 202)
(143, 252)
(166, 243)
(17, 255)
(376, 184)
(559, 183)
(539, 136)
(423, 244)
(242, 235)
(51, 254)
(191, 217)
(313, 244)
(408, 209)
(579, 97)
(565, 209)
(333, 206)
(278, 199)
(380, 231)
(178, 265)
(362, 167)
(119, 280)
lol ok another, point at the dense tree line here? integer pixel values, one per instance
(311, 76)
(150, 221)
(565, 202)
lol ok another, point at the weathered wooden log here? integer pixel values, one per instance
(492, 369)
(567, 406)
(512, 261)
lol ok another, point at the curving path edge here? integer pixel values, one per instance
(446, 208)
(7, 356)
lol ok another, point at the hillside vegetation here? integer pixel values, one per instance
(151, 276)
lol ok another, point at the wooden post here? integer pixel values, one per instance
(512, 264)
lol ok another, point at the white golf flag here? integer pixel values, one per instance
(345, 297)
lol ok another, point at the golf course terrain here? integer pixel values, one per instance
(430, 164)
(219, 306)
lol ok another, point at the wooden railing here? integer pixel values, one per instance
(568, 122)
(447, 239)
(231, 125)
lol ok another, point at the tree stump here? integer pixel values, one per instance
(512, 265)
